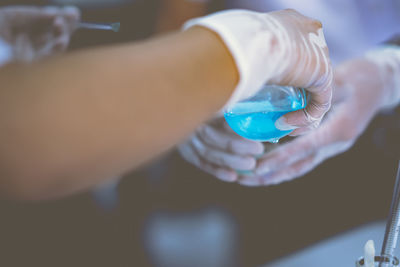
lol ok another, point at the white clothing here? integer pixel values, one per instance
(351, 27)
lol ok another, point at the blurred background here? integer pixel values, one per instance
(169, 213)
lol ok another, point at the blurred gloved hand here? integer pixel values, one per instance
(36, 32)
(363, 87)
(216, 149)
(283, 48)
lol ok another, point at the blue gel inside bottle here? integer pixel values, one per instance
(255, 118)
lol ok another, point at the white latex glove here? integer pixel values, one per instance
(36, 32)
(363, 87)
(283, 48)
(216, 149)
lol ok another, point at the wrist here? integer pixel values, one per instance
(212, 24)
(387, 61)
(214, 64)
(248, 39)
(374, 93)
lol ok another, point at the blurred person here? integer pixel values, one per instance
(29, 33)
(364, 86)
(58, 115)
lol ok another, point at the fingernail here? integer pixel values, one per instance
(250, 148)
(281, 124)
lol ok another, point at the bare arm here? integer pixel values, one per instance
(73, 121)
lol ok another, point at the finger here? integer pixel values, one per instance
(59, 27)
(315, 75)
(48, 10)
(301, 131)
(309, 117)
(53, 47)
(189, 154)
(286, 154)
(72, 13)
(221, 158)
(333, 137)
(224, 139)
(33, 20)
(305, 165)
(45, 39)
(250, 180)
(66, 21)
(296, 170)
(72, 16)
(30, 12)
(59, 41)
(61, 44)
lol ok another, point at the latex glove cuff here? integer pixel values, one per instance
(249, 41)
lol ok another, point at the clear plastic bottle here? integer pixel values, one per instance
(380, 261)
(254, 118)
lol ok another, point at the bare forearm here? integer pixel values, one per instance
(71, 122)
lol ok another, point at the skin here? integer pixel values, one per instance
(71, 122)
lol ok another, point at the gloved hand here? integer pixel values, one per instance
(283, 48)
(216, 149)
(35, 32)
(363, 87)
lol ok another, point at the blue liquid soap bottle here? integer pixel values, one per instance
(254, 118)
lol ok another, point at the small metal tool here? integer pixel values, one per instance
(100, 26)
